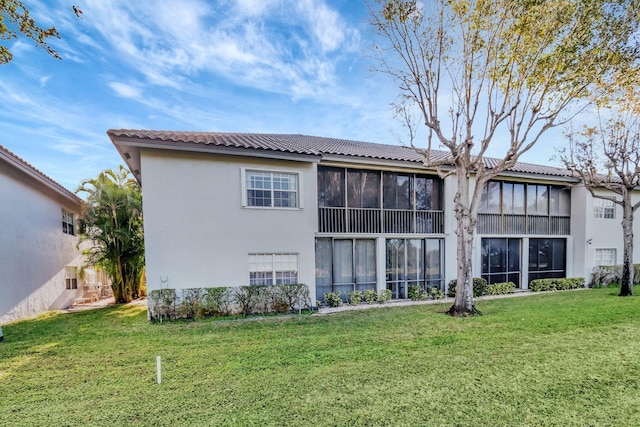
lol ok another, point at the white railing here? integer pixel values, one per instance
(358, 220)
(523, 224)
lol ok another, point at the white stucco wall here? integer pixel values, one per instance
(603, 233)
(450, 239)
(33, 249)
(197, 234)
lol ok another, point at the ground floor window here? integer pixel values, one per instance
(344, 265)
(413, 262)
(606, 256)
(501, 260)
(547, 258)
(270, 269)
(71, 277)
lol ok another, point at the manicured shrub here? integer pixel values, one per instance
(501, 288)
(296, 296)
(435, 293)
(561, 284)
(247, 297)
(217, 301)
(370, 296)
(416, 293)
(191, 305)
(604, 275)
(384, 296)
(480, 287)
(354, 297)
(161, 304)
(273, 300)
(332, 299)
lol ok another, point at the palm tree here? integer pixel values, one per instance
(112, 221)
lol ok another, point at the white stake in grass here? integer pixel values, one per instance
(159, 369)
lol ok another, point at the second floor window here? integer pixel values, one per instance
(603, 208)
(272, 189)
(68, 223)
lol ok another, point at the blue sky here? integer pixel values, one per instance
(268, 66)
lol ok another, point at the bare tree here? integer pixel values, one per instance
(614, 146)
(476, 69)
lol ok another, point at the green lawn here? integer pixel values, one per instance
(570, 358)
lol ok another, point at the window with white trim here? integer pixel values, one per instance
(270, 269)
(68, 223)
(71, 277)
(271, 189)
(603, 208)
(605, 256)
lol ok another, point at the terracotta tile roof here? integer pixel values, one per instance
(22, 164)
(309, 145)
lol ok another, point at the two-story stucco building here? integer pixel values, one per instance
(231, 209)
(40, 263)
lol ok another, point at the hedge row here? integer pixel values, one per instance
(539, 285)
(480, 288)
(334, 299)
(501, 288)
(605, 275)
(191, 303)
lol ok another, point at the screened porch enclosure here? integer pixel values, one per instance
(365, 201)
(345, 265)
(501, 260)
(547, 258)
(519, 208)
(411, 262)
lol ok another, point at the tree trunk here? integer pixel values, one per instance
(626, 288)
(463, 303)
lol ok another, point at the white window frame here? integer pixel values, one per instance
(71, 278)
(245, 198)
(68, 220)
(273, 263)
(599, 258)
(604, 208)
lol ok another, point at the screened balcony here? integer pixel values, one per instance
(518, 208)
(372, 202)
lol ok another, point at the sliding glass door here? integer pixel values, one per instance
(413, 262)
(501, 260)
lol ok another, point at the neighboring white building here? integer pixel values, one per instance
(39, 259)
(232, 209)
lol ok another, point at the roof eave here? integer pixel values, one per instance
(129, 149)
(38, 177)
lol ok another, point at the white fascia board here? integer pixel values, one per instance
(378, 164)
(538, 178)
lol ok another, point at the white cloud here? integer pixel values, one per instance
(267, 45)
(327, 24)
(44, 80)
(125, 91)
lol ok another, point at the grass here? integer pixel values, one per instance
(570, 358)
